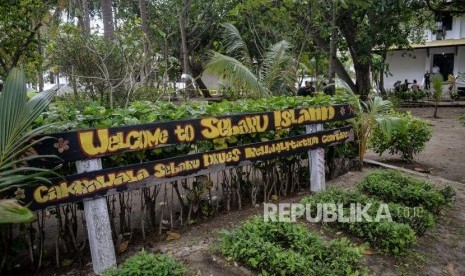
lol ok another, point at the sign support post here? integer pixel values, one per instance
(316, 160)
(98, 224)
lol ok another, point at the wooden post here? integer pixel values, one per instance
(101, 245)
(316, 162)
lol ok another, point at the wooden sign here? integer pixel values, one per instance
(104, 182)
(94, 143)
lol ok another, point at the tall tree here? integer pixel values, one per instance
(107, 17)
(146, 70)
(365, 26)
(20, 22)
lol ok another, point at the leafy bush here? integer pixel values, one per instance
(390, 236)
(279, 248)
(147, 264)
(408, 137)
(394, 186)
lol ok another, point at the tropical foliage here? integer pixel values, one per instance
(16, 117)
(370, 115)
(437, 82)
(272, 74)
(408, 138)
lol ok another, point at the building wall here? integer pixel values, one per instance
(458, 30)
(413, 64)
(460, 60)
(462, 27)
(405, 65)
(211, 81)
(456, 27)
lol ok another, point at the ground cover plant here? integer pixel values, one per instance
(394, 186)
(148, 264)
(408, 137)
(279, 248)
(389, 236)
(419, 222)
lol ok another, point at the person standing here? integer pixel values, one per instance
(415, 87)
(427, 80)
(311, 88)
(304, 90)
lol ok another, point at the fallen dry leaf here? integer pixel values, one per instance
(451, 270)
(172, 236)
(368, 252)
(123, 247)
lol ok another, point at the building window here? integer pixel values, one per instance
(444, 21)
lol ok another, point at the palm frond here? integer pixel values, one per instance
(278, 71)
(235, 45)
(234, 72)
(11, 106)
(16, 116)
(12, 212)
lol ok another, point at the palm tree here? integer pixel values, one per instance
(273, 74)
(16, 116)
(369, 115)
(437, 81)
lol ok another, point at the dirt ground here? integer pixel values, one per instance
(440, 252)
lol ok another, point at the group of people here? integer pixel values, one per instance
(399, 86)
(309, 90)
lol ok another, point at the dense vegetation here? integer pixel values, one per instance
(397, 187)
(148, 264)
(411, 204)
(280, 248)
(407, 138)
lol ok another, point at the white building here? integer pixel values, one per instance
(444, 48)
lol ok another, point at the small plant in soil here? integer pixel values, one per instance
(148, 264)
(280, 248)
(396, 187)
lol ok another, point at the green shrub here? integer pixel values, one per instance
(147, 264)
(408, 137)
(391, 236)
(279, 248)
(394, 186)
(462, 119)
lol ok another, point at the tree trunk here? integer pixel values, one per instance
(107, 17)
(332, 51)
(184, 49)
(338, 66)
(359, 54)
(182, 27)
(197, 70)
(85, 17)
(147, 68)
(362, 75)
(40, 71)
(381, 74)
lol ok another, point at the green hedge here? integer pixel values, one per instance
(391, 236)
(148, 264)
(279, 248)
(389, 185)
